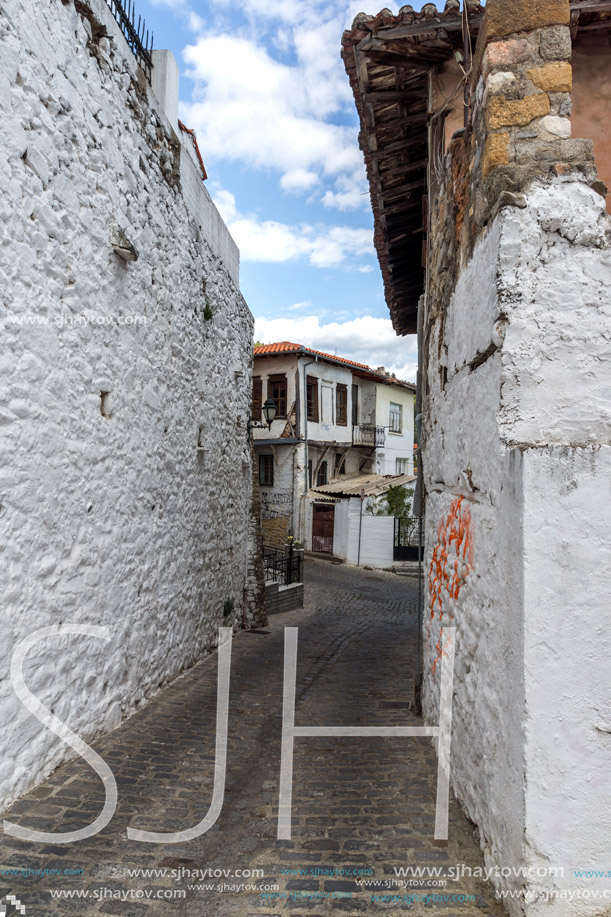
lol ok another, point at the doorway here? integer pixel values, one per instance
(323, 525)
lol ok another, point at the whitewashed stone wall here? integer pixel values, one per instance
(110, 514)
(517, 457)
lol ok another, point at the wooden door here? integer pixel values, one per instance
(323, 525)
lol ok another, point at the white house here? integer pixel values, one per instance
(335, 418)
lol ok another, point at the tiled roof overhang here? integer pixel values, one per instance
(388, 60)
(361, 370)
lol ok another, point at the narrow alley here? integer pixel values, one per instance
(363, 809)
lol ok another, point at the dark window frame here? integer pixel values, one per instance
(266, 469)
(322, 475)
(399, 414)
(340, 464)
(257, 397)
(312, 402)
(355, 405)
(277, 390)
(341, 405)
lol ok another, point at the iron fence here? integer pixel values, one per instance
(135, 33)
(283, 565)
(409, 539)
(367, 434)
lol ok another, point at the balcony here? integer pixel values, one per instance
(367, 434)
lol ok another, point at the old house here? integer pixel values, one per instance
(125, 386)
(486, 136)
(334, 419)
(364, 532)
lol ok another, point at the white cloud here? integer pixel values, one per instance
(250, 106)
(273, 242)
(298, 180)
(225, 203)
(367, 340)
(324, 247)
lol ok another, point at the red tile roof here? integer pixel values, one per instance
(283, 347)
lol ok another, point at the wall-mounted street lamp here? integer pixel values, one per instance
(269, 413)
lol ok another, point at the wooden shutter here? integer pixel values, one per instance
(257, 397)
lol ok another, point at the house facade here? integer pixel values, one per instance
(335, 418)
(486, 134)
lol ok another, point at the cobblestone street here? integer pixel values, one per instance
(359, 804)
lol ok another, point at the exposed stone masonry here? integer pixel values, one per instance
(519, 131)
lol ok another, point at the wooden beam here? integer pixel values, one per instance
(420, 117)
(403, 168)
(591, 6)
(396, 95)
(397, 147)
(397, 59)
(426, 26)
(594, 26)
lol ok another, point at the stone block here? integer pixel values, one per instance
(504, 18)
(500, 82)
(553, 77)
(555, 43)
(496, 152)
(38, 164)
(556, 126)
(504, 112)
(502, 54)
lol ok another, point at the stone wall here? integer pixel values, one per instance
(516, 453)
(283, 598)
(126, 477)
(276, 530)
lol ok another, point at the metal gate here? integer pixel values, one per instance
(406, 545)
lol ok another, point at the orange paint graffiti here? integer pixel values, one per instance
(451, 564)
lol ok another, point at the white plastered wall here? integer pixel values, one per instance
(516, 455)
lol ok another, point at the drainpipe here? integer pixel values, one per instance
(305, 419)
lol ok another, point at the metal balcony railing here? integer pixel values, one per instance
(283, 566)
(135, 33)
(367, 434)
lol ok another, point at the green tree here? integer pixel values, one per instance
(397, 502)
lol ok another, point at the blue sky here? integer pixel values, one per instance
(263, 84)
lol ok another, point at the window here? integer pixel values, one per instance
(276, 390)
(341, 405)
(355, 405)
(321, 477)
(340, 463)
(257, 397)
(310, 472)
(402, 466)
(395, 418)
(266, 469)
(312, 398)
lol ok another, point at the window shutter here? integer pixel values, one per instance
(257, 397)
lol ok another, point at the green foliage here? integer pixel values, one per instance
(228, 607)
(399, 501)
(208, 311)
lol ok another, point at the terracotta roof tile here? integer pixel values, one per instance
(288, 347)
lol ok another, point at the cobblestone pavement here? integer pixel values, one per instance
(359, 804)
